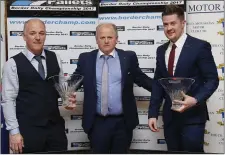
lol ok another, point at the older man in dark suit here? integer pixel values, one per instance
(109, 109)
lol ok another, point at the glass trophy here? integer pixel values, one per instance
(174, 86)
(66, 86)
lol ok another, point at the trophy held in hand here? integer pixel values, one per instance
(174, 86)
(66, 86)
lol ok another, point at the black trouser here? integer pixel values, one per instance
(51, 137)
(185, 137)
(109, 135)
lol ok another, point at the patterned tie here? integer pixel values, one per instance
(104, 89)
(171, 60)
(40, 66)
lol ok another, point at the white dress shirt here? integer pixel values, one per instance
(179, 45)
(10, 88)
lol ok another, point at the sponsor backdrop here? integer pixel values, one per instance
(70, 31)
(205, 20)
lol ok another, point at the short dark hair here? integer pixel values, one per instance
(173, 9)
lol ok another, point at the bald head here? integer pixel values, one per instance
(32, 21)
(34, 35)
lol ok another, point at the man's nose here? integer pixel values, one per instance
(169, 27)
(106, 40)
(37, 36)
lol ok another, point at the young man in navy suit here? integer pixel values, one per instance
(109, 108)
(184, 128)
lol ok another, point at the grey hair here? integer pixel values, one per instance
(107, 24)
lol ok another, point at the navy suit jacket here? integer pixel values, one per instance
(131, 73)
(195, 61)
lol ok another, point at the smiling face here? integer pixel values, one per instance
(106, 38)
(173, 26)
(34, 35)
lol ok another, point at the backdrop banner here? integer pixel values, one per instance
(71, 28)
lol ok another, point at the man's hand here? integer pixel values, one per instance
(186, 104)
(152, 123)
(72, 100)
(16, 143)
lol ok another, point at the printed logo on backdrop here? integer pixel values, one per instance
(64, 62)
(200, 26)
(159, 27)
(141, 42)
(142, 98)
(121, 42)
(220, 95)
(221, 21)
(87, 47)
(161, 141)
(221, 142)
(141, 28)
(16, 33)
(218, 136)
(148, 70)
(82, 33)
(76, 130)
(53, 5)
(120, 28)
(55, 47)
(139, 141)
(56, 33)
(142, 112)
(161, 42)
(145, 56)
(220, 69)
(205, 8)
(221, 113)
(219, 48)
(146, 127)
(206, 132)
(206, 143)
(73, 61)
(52, 8)
(125, 6)
(80, 144)
(221, 123)
(76, 117)
(17, 47)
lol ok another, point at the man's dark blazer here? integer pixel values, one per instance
(131, 73)
(195, 61)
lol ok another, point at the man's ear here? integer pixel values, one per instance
(24, 37)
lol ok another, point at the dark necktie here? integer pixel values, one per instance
(171, 60)
(41, 70)
(104, 89)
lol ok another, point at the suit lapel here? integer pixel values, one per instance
(183, 56)
(123, 62)
(92, 63)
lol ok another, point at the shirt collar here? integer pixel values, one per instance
(113, 53)
(180, 42)
(30, 55)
